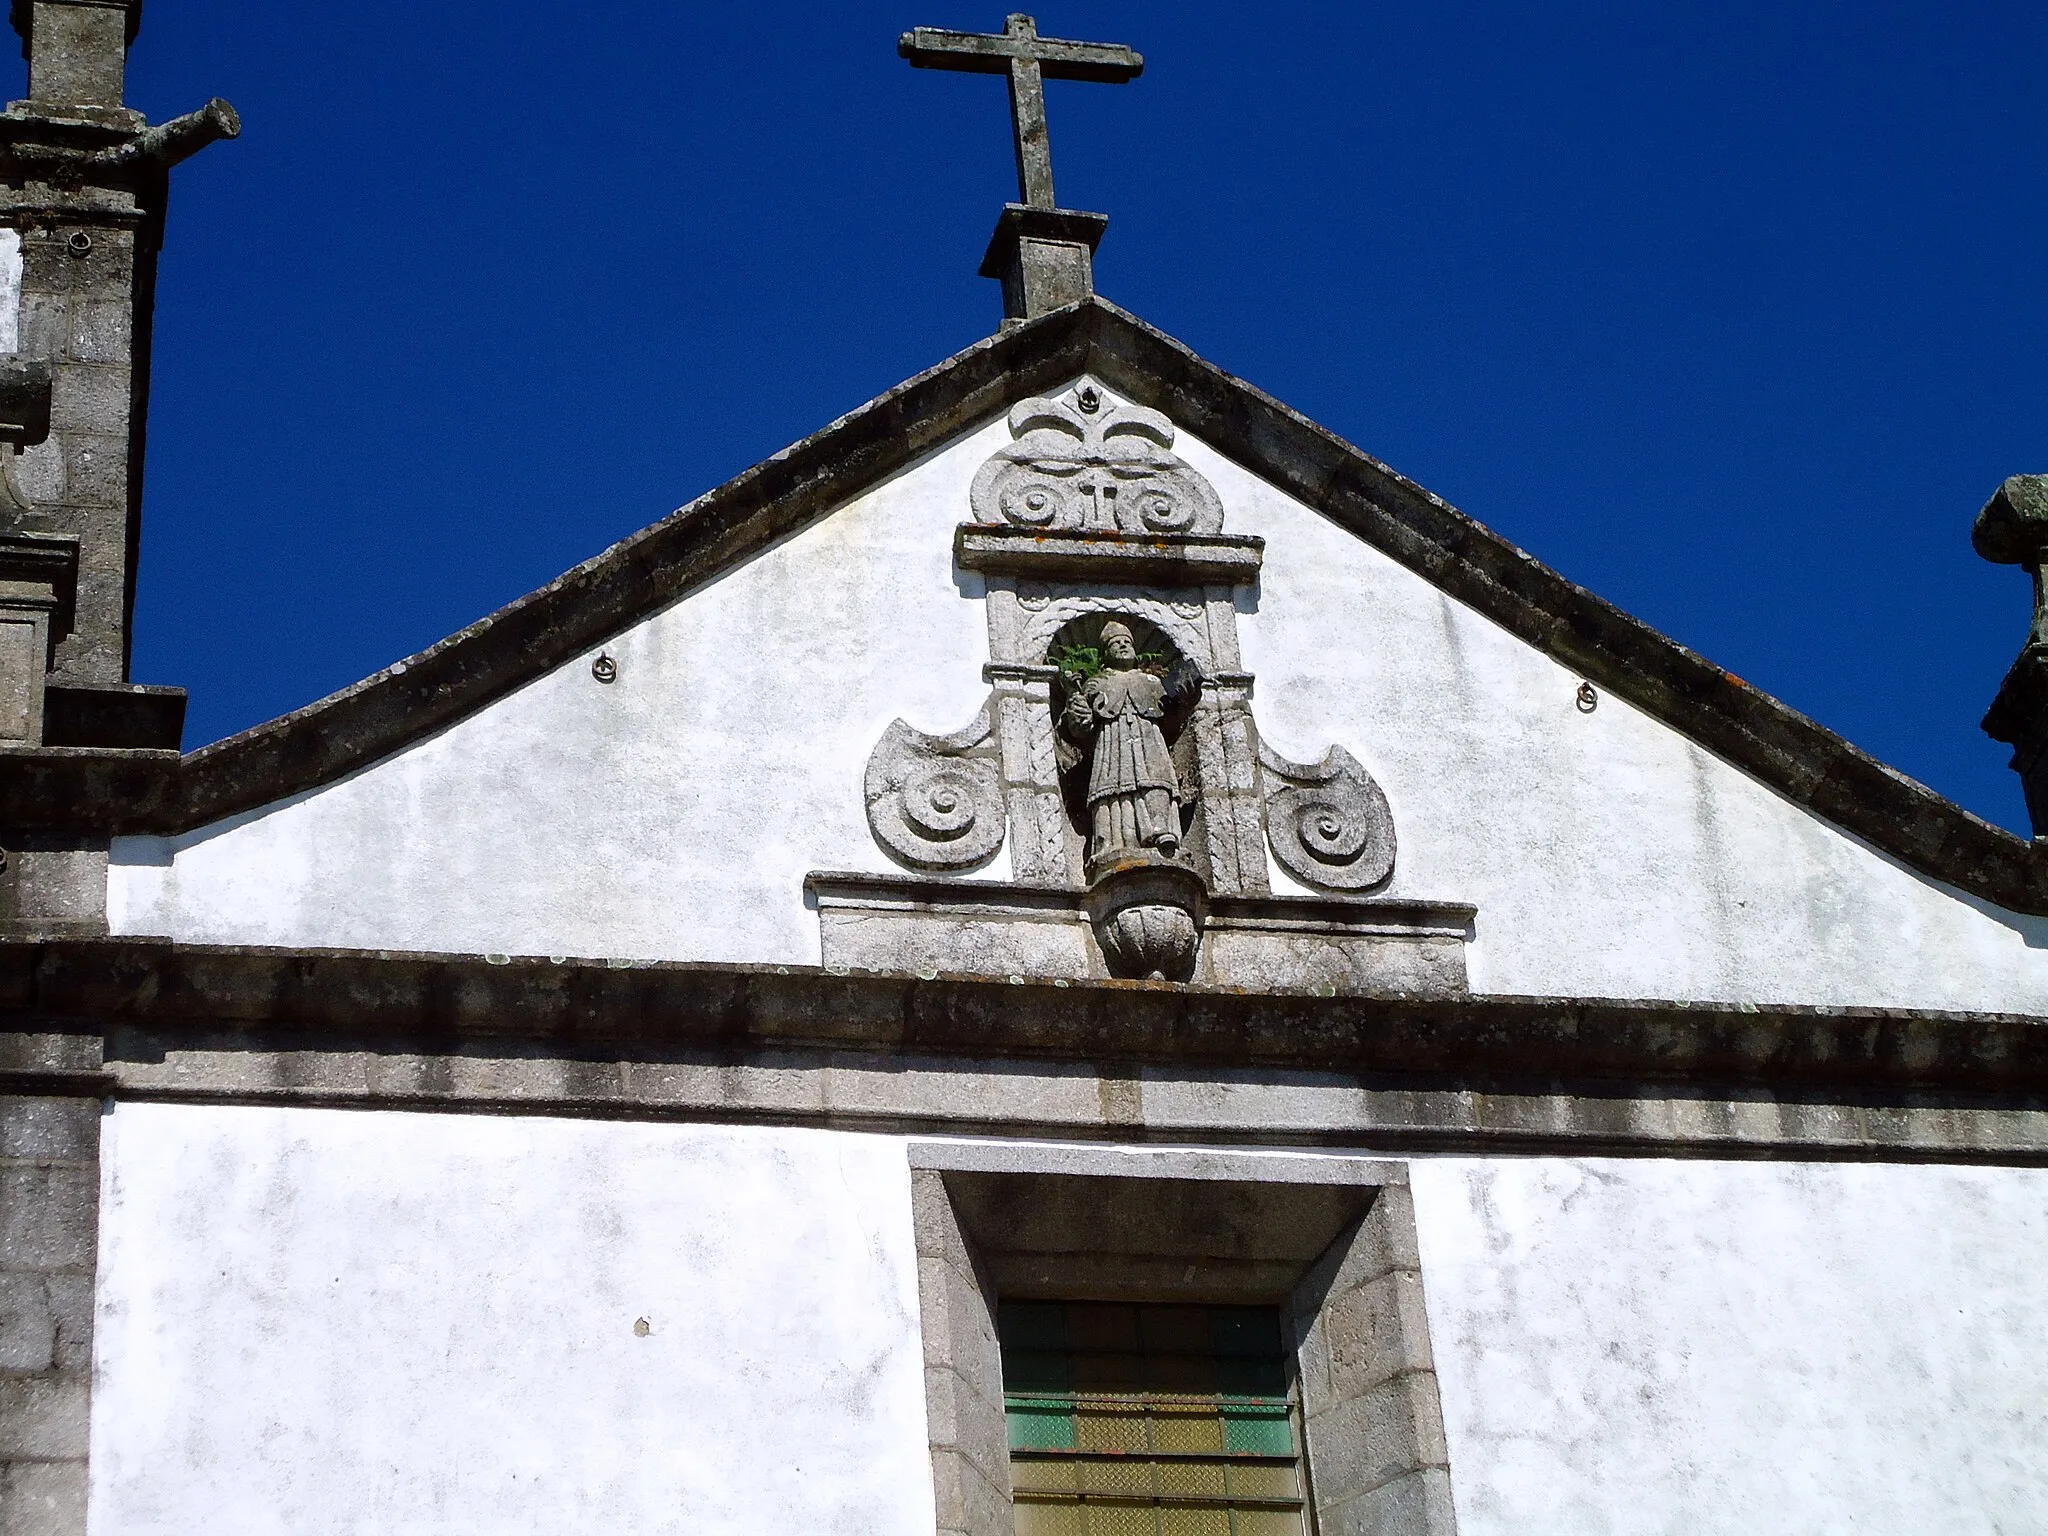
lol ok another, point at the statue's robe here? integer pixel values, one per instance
(1133, 791)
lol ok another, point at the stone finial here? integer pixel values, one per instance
(1042, 254)
(2013, 530)
(77, 50)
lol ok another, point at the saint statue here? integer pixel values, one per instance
(1134, 794)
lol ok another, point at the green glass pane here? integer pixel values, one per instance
(1041, 1426)
(1031, 1325)
(1262, 1431)
(1036, 1370)
(1251, 1376)
(1245, 1330)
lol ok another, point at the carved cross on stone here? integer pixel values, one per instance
(1029, 60)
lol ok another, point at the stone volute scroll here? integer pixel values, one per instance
(1329, 821)
(936, 802)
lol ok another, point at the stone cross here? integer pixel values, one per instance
(1029, 60)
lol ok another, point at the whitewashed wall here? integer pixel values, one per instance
(324, 1321)
(1648, 1348)
(673, 814)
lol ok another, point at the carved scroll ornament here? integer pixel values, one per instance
(936, 802)
(1329, 822)
(1081, 464)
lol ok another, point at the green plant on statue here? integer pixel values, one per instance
(1078, 663)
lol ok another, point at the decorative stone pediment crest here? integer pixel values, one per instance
(1118, 756)
(1081, 464)
(936, 802)
(1329, 821)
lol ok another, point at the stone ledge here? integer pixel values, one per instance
(1159, 560)
(60, 999)
(1317, 945)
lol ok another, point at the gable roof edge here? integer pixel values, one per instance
(1792, 754)
(77, 789)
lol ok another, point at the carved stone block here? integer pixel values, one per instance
(1081, 463)
(1328, 821)
(936, 802)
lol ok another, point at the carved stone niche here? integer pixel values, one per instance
(1118, 756)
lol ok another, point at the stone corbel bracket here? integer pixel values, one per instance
(935, 803)
(1328, 821)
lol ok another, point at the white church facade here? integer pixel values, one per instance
(1071, 954)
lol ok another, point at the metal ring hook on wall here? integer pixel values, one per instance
(1588, 699)
(604, 669)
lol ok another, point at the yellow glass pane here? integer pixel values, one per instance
(1198, 1477)
(1109, 1427)
(1122, 1520)
(1267, 1482)
(1269, 1522)
(1130, 1478)
(1047, 1519)
(1043, 1476)
(1109, 1373)
(1186, 1429)
(1191, 1374)
(1193, 1520)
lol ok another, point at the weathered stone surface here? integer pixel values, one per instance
(963, 1371)
(936, 802)
(1028, 60)
(43, 1418)
(53, 883)
(1329, 822)
(43, 1498)
(1268, 944)
(253, 999)
(1084, 465)
(1418, 1504)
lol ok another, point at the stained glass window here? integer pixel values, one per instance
(1150, 1420)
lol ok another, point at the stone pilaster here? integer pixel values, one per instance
(49, 1224)
(83, 186)
(1041, 835)
(1231, 830)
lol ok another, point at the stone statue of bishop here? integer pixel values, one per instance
(1134, 794)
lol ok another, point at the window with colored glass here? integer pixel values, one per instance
(1150, 1420)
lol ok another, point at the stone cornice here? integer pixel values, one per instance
(137, 990)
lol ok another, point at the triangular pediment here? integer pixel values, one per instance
(823, 715)
(723, 528)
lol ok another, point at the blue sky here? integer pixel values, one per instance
(1732, 313)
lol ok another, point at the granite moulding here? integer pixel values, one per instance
(81, 998)
(1326, 946)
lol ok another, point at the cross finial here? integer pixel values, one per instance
(1029, 60)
